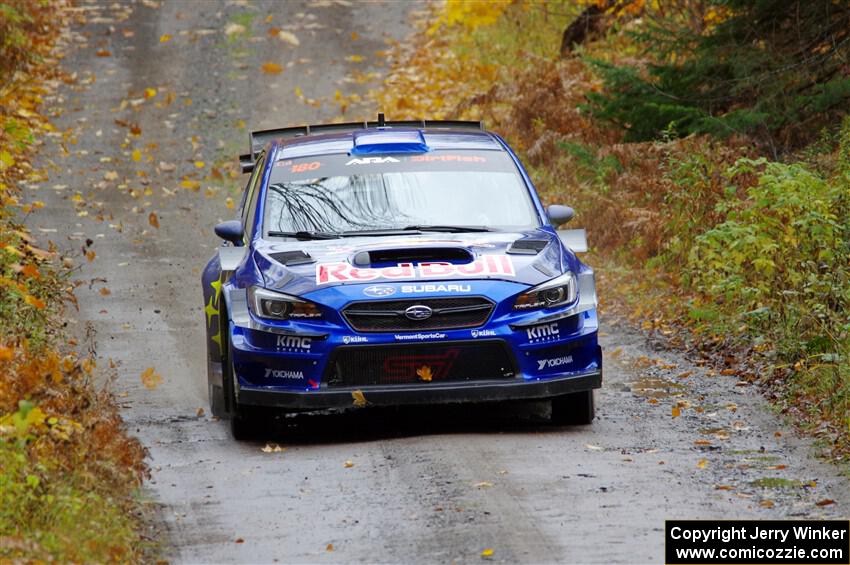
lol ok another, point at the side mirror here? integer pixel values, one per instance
(560, 214)
(231, 231)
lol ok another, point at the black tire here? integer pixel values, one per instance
(218, 408)
(576, 409)
(246, 422)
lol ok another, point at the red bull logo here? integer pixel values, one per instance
(489, 265)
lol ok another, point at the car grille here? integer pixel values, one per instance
(447, 314)
(356, 366)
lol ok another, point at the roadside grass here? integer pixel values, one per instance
(704, 241)
(69, 472)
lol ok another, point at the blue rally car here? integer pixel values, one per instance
(391, 263)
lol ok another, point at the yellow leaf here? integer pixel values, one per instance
(676, 412)
(424, 373)
(702, 463)
(90, 255)
(199, 164)
(355, 58)
(137, 155)
(150, 92)
(190, 184)
(288, 37)
(272, 68)
(348, 464)
(153, 220)
(34, 302)
(298, 92)
(150, 378)
(229, 203)
(37, 204)
(487, 553)
(358, 397)
(164, 37)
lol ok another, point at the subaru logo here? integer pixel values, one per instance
(418, 312)
(378, 290)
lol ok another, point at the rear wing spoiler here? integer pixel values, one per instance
(258, 139)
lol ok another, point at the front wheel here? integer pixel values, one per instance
(576, 409)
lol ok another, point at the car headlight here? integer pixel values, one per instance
(559, 291)
(278, 306)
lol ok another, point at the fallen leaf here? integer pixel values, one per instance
(424, 373)
(166, 167)
(272, 448)
(348, 464)
(229, 203)
(766, 504)
(272, 68)
(199, 164)
(103, 53)
(164, 37)
(487, 553)
(702, 442)
(105, 291)
(151, 379)
(702, 463)
(233, 29)
(200, 413)
(825, 502)
(34, 302)
(110, 175)
(153, 220)
(483, 484)
(722, 487)
(239, 540)
(190, 184)
(288, 37)
(592, 447)
(354, 58)
(136, 155)
(329, 547)
(90, 255)
(676, 411)
(776, 467)
(150, 92)
(358, 397)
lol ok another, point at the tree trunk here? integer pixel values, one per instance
(585, 25)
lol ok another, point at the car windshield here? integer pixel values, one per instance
(442, 190)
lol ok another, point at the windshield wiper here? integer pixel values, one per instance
(450, 229)
(303, 235)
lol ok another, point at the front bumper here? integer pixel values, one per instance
(431, 393)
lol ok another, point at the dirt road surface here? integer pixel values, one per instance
(424, 485)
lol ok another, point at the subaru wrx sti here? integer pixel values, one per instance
(393, 263)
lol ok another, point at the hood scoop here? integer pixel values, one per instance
(527, 246)
(290, 258)
(391, 257)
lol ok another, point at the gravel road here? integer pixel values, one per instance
(421, 485)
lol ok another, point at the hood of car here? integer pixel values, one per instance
(300, 267)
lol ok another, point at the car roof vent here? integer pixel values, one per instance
(290, 258)
(369, 142)
(527, 246)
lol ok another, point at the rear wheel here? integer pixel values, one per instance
(576, 409)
